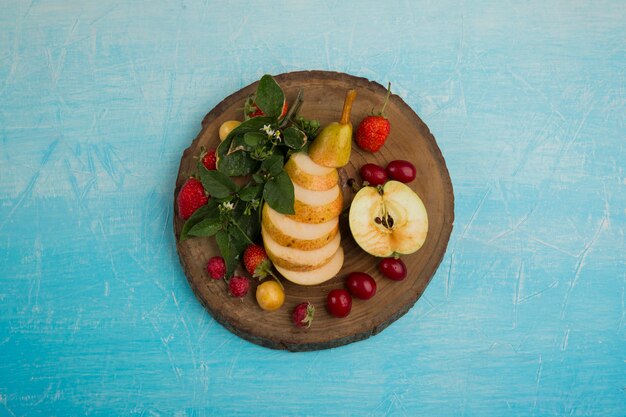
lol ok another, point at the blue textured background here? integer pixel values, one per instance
(525, 316)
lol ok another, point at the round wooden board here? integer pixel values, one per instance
(409, 139)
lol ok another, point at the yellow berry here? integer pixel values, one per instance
(270, 295)
(227, 127)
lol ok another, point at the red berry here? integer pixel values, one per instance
(303, 314)
(339, 303)
(238, 286)
(401, 170)
(373, 174)
(209, 160)
(361, 285)
(256, 261)
(372, 133)
(190, 198)
(393, 268)
(216, 267)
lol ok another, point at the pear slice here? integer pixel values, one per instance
(307, 174)
(318, 275)
(290, 233)
(393, 221)
(316, 206)
(297, 259)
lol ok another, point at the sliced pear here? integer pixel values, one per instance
(293, 234)
(318, 275)
(394, 222)
(316, 206)
(307, 174)
(297, 259)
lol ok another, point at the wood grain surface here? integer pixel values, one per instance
(409, 139)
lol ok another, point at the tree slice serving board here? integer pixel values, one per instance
(410, 139)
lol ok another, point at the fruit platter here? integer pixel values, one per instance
(312, 210)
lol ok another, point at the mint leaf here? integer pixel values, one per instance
(253, 139)
(273, 165)
(233, 163)
(226, 250)
(206, 227)
(216, 183)
(294, 138)
(278, 192)
(269, 97)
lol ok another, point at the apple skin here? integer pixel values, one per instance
(305, 236)
(315, 276)
(307, 174)
(296, 259)
(410, 220)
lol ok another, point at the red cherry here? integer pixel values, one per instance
(393, 268)
(373, 174)
(401, 170)
(339, 303)
(361, 285)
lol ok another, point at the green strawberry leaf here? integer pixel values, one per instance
(294, 138)
(216, 183)
(231, 160)
(249, 192)
(207, 211)
(269, 97)
(278, 192)
(273, 165)
(207, 227)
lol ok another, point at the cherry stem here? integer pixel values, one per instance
(347, 107)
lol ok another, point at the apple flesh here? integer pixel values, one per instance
(392, 221)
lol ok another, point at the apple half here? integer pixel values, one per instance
(388, 220)
(297, 259)
(307, 174)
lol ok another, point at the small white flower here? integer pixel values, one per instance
(267, 129)
(227, 206)
(277, 135)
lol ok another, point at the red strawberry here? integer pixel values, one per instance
(256, 261)
(252, 110)
(216, 267)
(190, 198)
(374, 129)
(238, 286)
(303, 314)
(209, 160)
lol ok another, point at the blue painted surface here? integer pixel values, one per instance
(526, 314)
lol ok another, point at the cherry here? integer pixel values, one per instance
(373, 174)
(339, 303)
(401, 170)
(361, 285)
(393, 268)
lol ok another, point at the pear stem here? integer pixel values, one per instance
(347, 107)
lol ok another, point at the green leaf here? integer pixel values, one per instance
(273, 165)
(217, 184)
(294, 138)
(253, 139)
(278, 192)
(233, 163)
(206, 227)
(269, 97)
(258, 178)
(249, 192)
(206, 211)
(222, 239)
